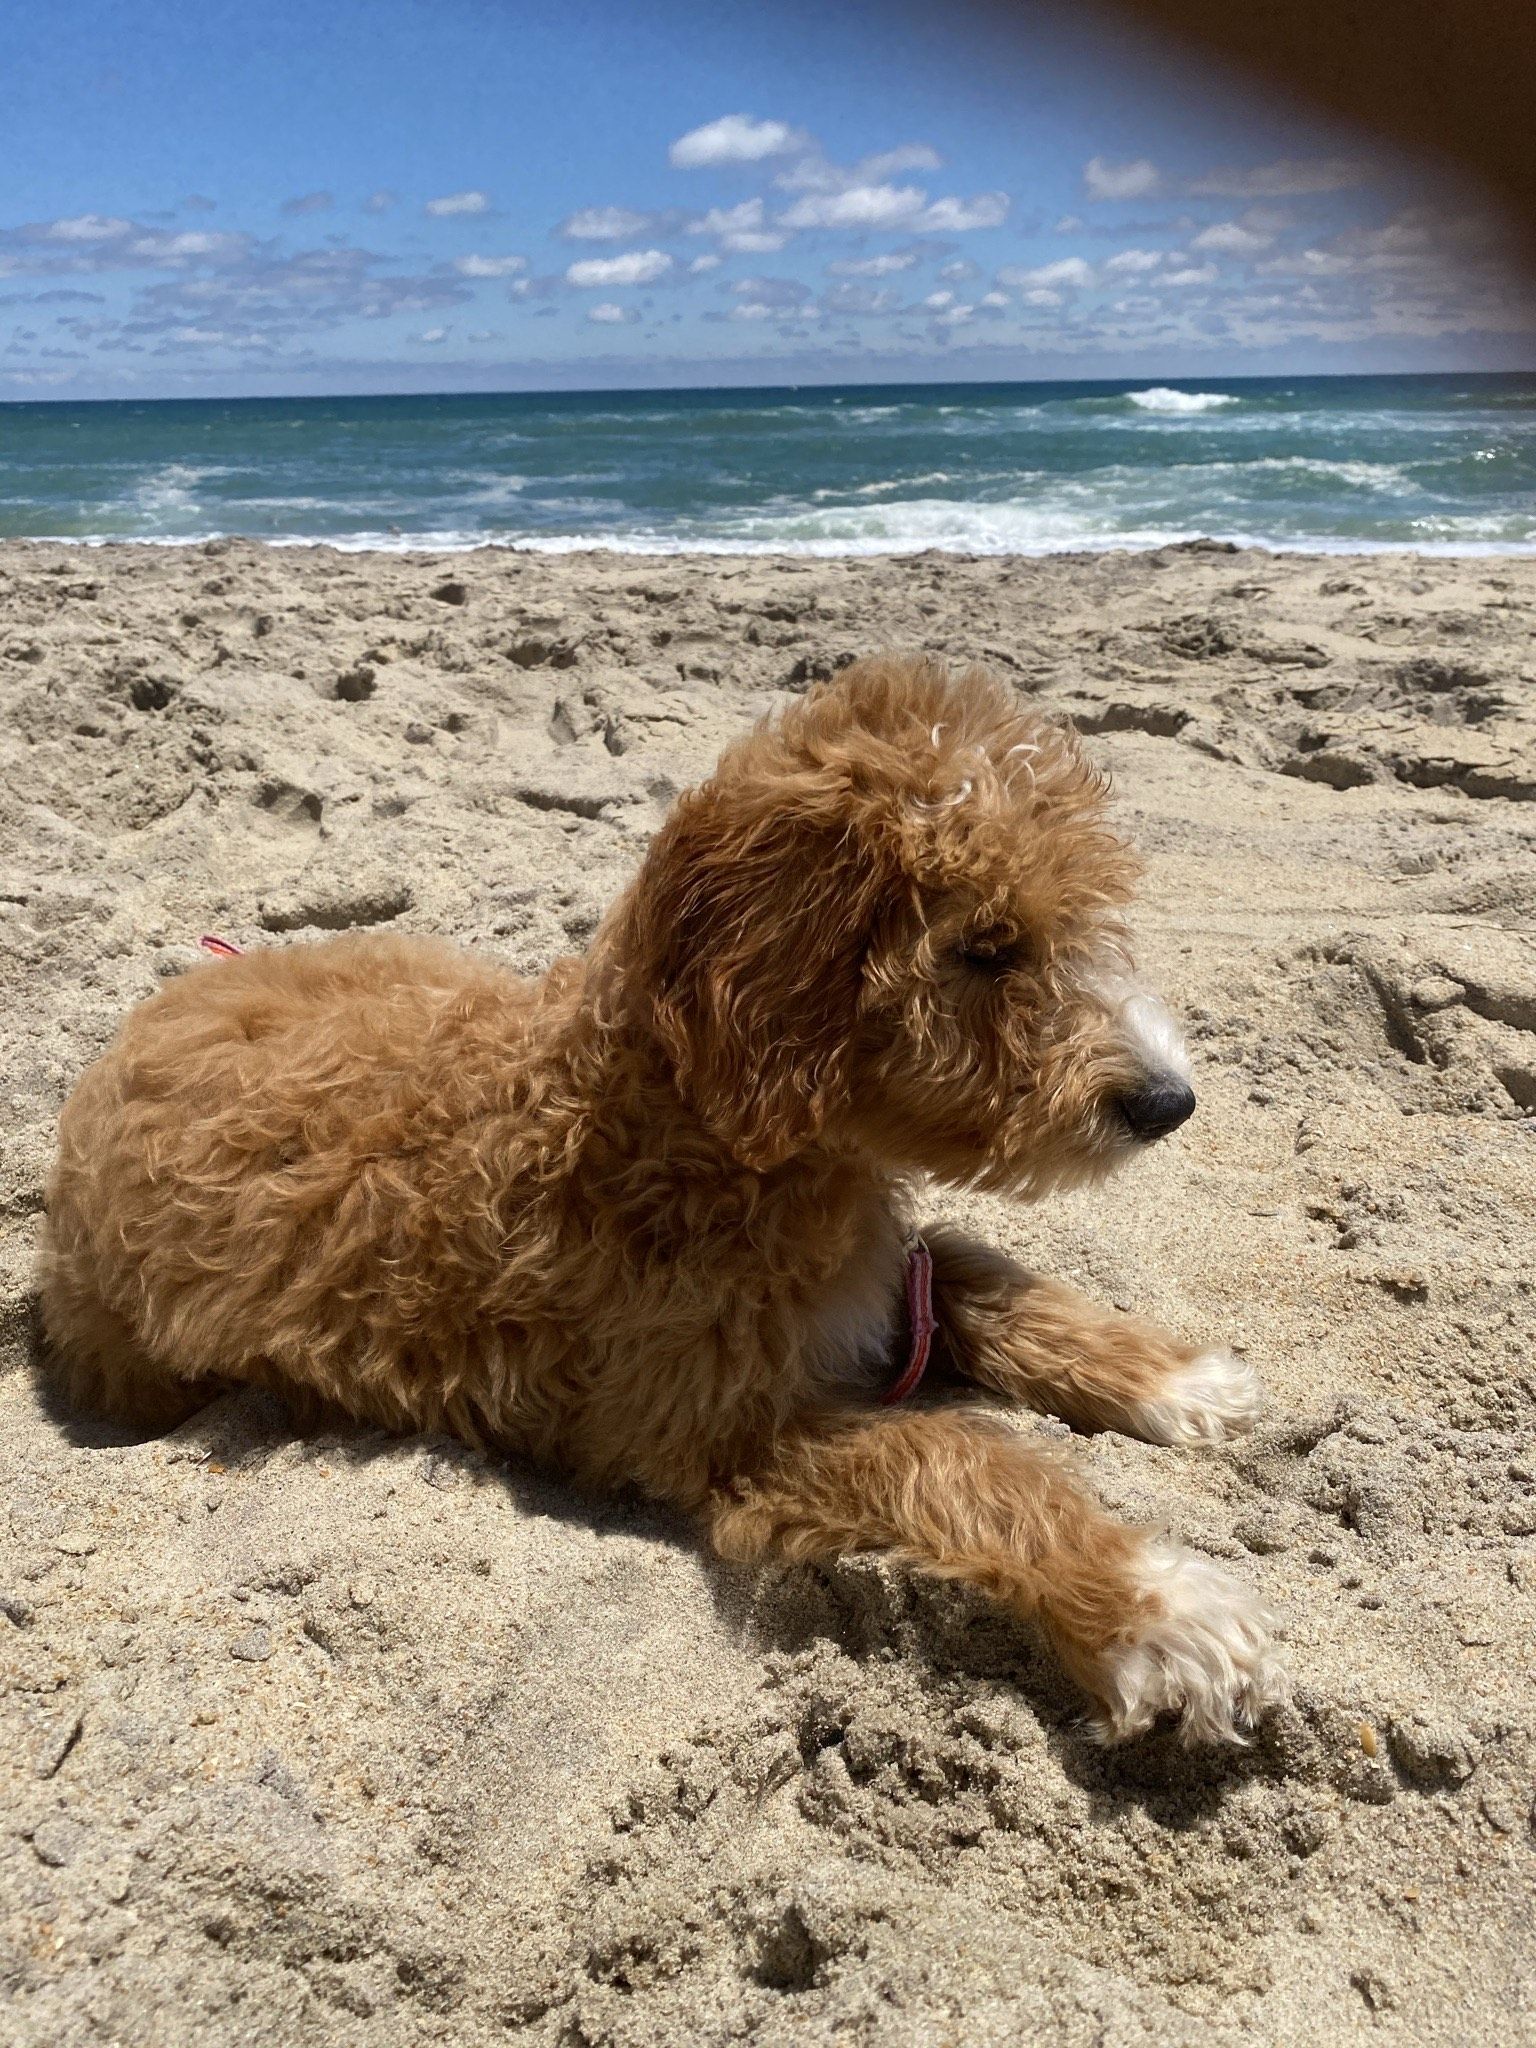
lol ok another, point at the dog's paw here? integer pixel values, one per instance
(1204, 1651)
(1212, 1397)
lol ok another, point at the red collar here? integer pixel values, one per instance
(920, 1323)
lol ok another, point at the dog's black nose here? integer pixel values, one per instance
(1158, 1107)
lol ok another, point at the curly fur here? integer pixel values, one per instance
(643, 1219)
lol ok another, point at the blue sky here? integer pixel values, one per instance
(466, 195)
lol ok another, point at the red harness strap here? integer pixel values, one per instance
(225, 948)
(920, 1322)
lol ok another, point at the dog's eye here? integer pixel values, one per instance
(991, 953)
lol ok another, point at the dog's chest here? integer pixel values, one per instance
(852, 1324)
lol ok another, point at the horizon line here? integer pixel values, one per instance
(1147, 380)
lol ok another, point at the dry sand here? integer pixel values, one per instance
(369, 1742)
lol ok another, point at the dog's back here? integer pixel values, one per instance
(235, 1172)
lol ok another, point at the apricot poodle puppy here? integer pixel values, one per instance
(650, 1219)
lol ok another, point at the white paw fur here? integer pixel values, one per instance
(1213, 1397)
(1205, 1653)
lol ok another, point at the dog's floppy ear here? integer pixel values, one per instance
(749, 927)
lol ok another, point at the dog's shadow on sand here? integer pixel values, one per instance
(960, 1649)
(963, 1653)
(245, 1427)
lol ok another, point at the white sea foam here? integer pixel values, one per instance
(1446, 537)
(169, 493)
(888, 484)
(489, 486)
(1387, 477)
(1368, 476)
(1163, 398)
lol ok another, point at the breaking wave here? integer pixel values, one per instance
(1163, 398)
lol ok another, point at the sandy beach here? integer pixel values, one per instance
(362, 1741)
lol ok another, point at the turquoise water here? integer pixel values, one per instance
(1443, 463)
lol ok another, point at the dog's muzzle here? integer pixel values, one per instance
(1159, 1106)
(1160, 1097)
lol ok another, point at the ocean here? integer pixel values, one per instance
(1443, 464)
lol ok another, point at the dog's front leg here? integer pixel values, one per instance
(1142, 1625)
(1032, 1339)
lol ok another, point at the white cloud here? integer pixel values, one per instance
(784, 294)
(994, 299)
(1420, 239)
(1040, 297)
(1194, 273)
(312, 288)
(1230, 238)
(859, 206)
(607, 314)
(853, 300)
(639, 266)
(457, 202)
(1132, 262)
(816, 173)
(603, 224)
(813, 173)
(703, 263)
(433, 334)
(489, 266)
(92, 242)
(1290, 178)
(728, 220)
(733, 139)
(1306, 263)
(88, 227)
(883, 206)
(754, 309)
(378, 202)
(177, 248)
(740, 228)
(1070, 272)
(873, 266)
(890, 163)
(1069, 224)
(937, 301)
(959, 216)
(1136, 180)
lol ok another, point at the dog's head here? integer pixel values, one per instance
(891, 920)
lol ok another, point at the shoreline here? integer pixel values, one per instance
(813, 551)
